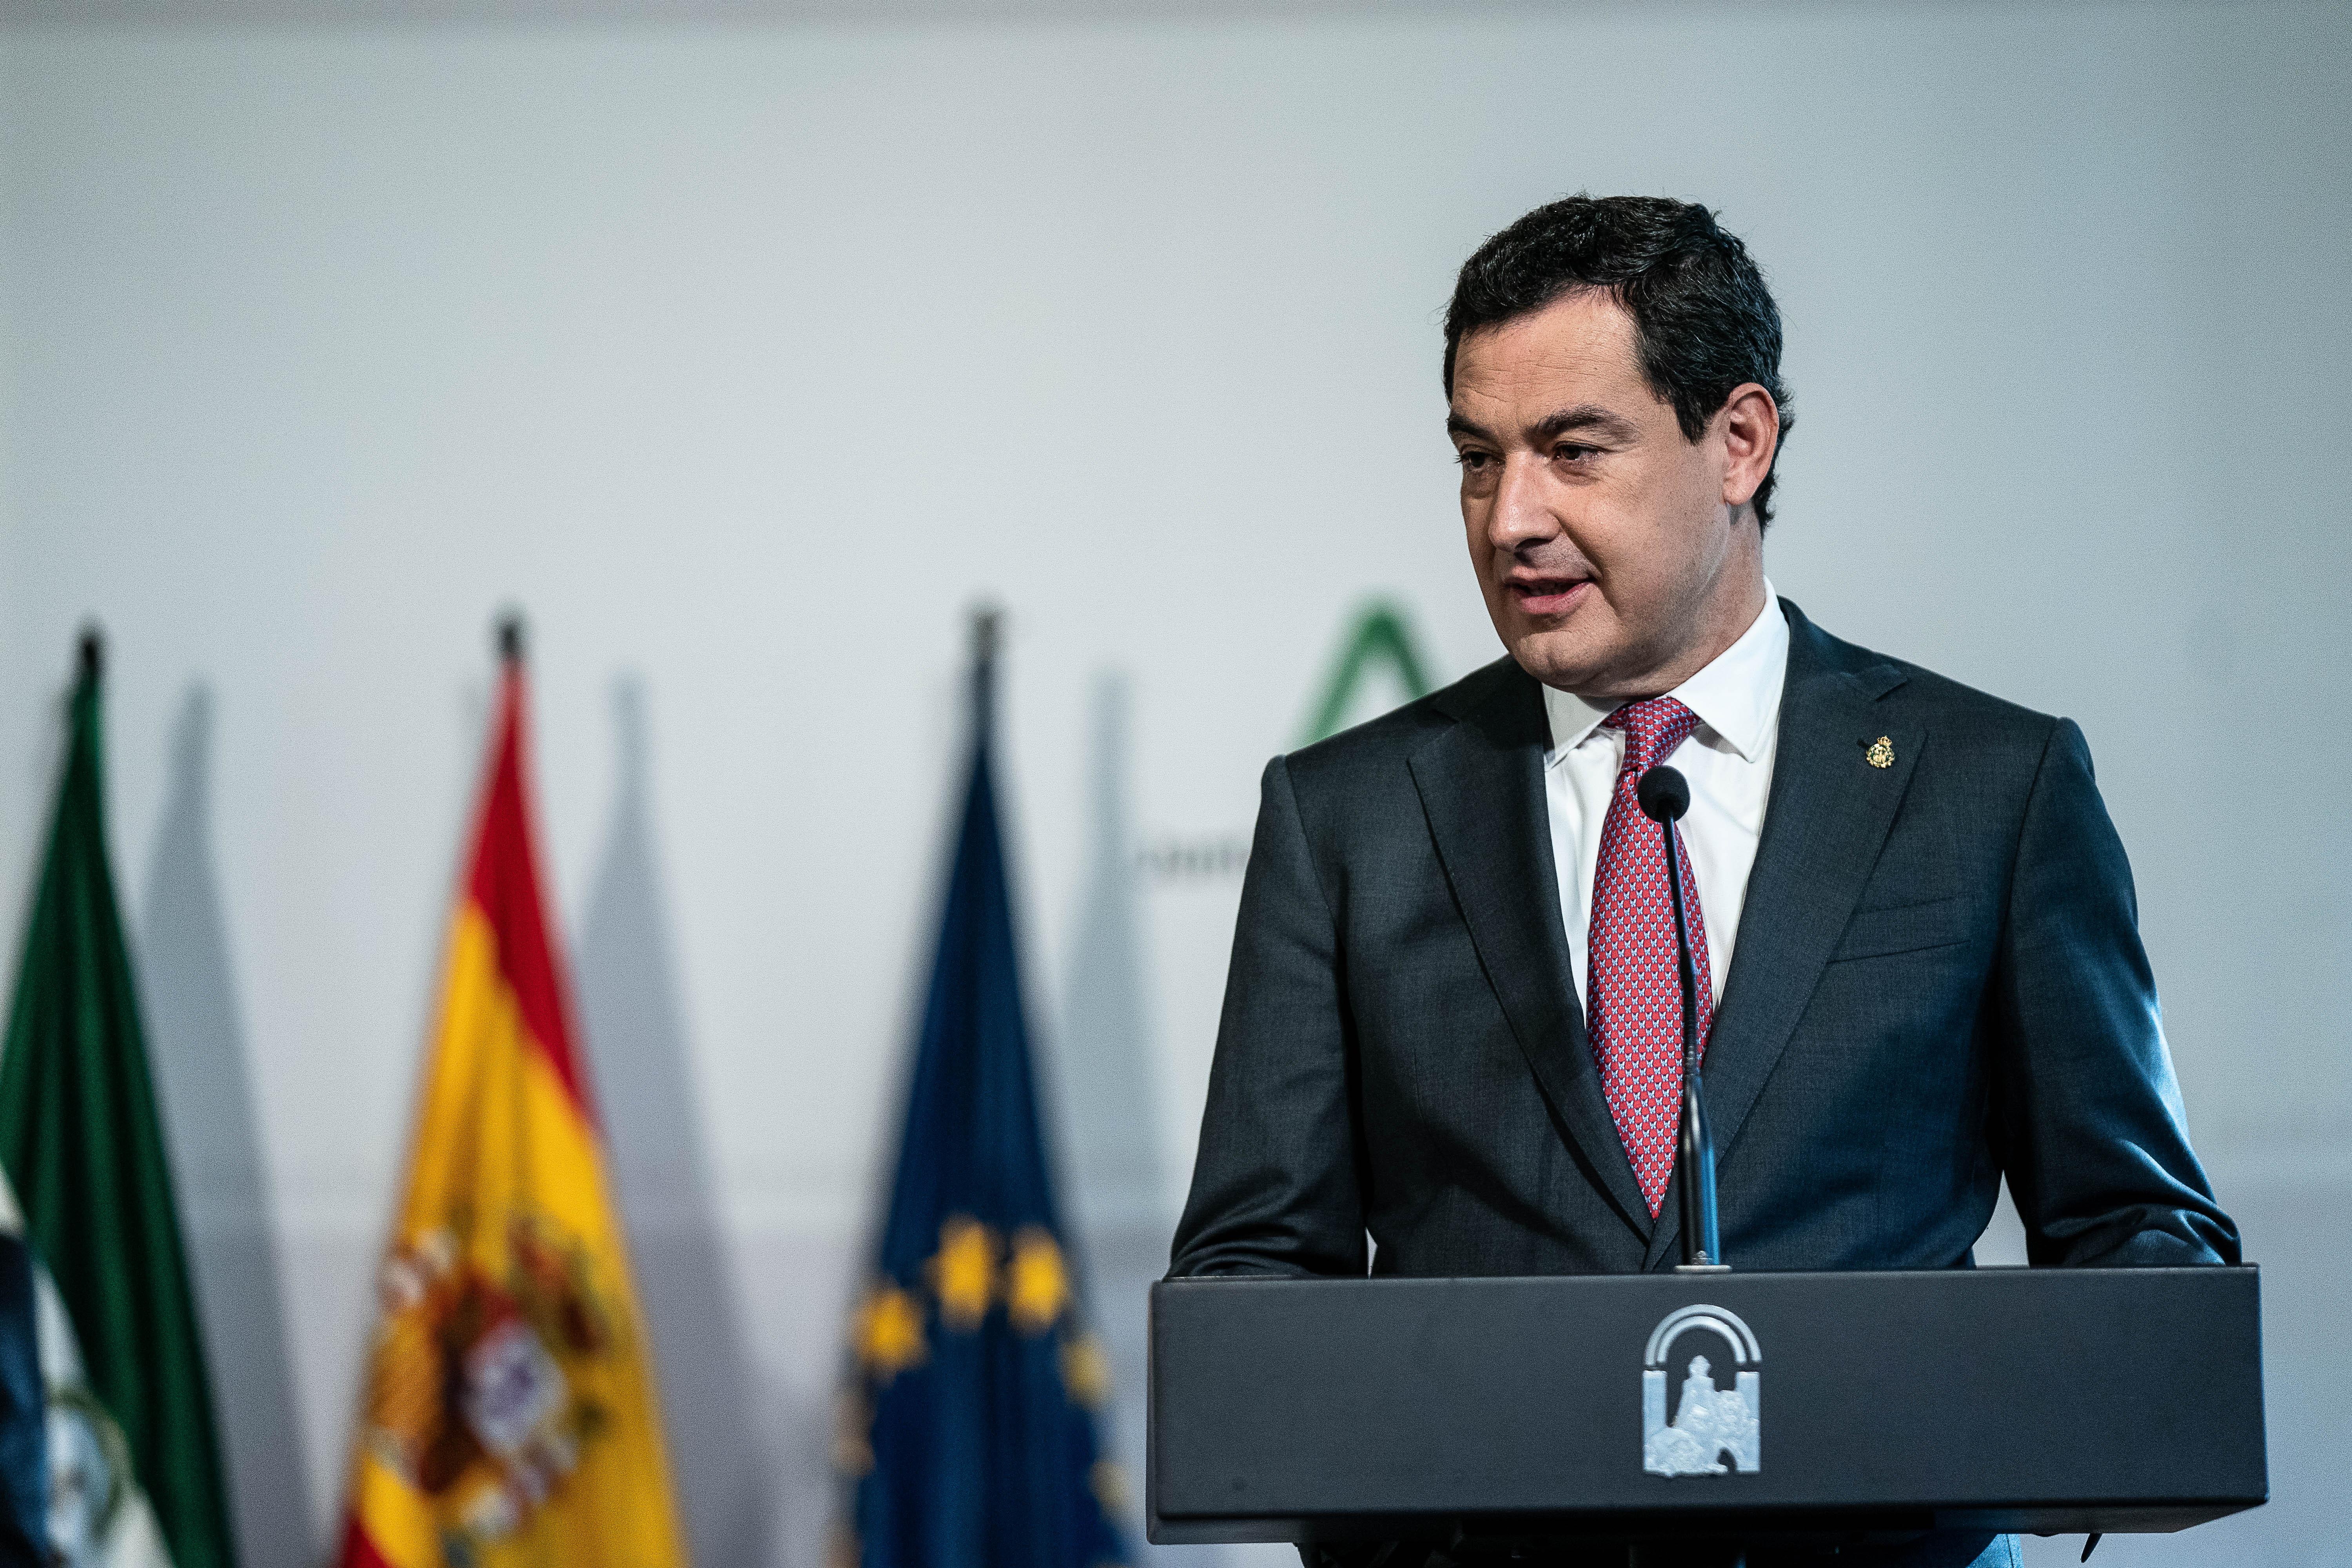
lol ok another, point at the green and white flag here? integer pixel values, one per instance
(133, 1462)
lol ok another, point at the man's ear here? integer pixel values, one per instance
(1750, 422)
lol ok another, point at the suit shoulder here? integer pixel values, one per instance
(1941, 697)
(1950, 707)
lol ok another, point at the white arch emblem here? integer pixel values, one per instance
(1734, 1333)
(1713, 1423)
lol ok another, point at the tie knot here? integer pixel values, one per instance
(1654, 728)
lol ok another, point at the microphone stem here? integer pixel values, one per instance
(1702, 1247)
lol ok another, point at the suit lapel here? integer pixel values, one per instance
(1824, 822)
(1481, 786)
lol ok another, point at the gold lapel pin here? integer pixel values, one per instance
(1881, 753)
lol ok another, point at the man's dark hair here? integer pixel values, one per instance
(1704, 322)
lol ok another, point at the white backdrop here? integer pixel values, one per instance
(745, 358)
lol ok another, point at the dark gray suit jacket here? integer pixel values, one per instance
(1939, 978)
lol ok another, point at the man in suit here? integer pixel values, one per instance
(1451, 1022)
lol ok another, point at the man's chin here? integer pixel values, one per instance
(1558, 657)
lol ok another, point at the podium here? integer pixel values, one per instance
(1756, 1407)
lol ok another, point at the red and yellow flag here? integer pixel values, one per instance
(509, 1416)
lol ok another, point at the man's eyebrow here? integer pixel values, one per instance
(1589, 417)
(1584, 417)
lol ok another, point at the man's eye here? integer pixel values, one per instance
(1571, 452)
(1473, 461)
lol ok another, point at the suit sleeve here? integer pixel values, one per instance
(1275, 1186)
(2087, 1115)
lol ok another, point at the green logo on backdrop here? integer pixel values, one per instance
(1381, 636)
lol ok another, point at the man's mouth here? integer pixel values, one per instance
(1549, 596)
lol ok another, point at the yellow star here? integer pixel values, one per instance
(964, 1272)
(1110, 1485)
(1085, 1371)
(889, 1333)
(1036, 1286)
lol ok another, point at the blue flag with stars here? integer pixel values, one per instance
(970, 1423)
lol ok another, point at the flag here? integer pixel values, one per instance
(133, 1462)
(509, 1415)
(969, 1423)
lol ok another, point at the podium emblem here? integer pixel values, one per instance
(1695, 1429)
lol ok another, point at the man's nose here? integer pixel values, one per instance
(1522, 513)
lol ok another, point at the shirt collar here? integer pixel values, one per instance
(1737, 695)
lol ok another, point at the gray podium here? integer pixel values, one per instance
(1754, 1407)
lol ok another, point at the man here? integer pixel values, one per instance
(1450, 1023)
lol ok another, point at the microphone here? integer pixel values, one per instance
(1664, 795)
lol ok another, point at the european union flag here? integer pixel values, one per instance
(970, 1425)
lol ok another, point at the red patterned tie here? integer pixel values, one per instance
(1635, 1016)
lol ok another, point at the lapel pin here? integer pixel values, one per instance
(1880, 753)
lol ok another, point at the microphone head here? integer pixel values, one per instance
(1664, 794)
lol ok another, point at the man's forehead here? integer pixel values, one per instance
(1577, 348)
(1582, 335)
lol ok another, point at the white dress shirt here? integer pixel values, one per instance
(1727, 760)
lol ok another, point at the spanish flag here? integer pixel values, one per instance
(509, 1416)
